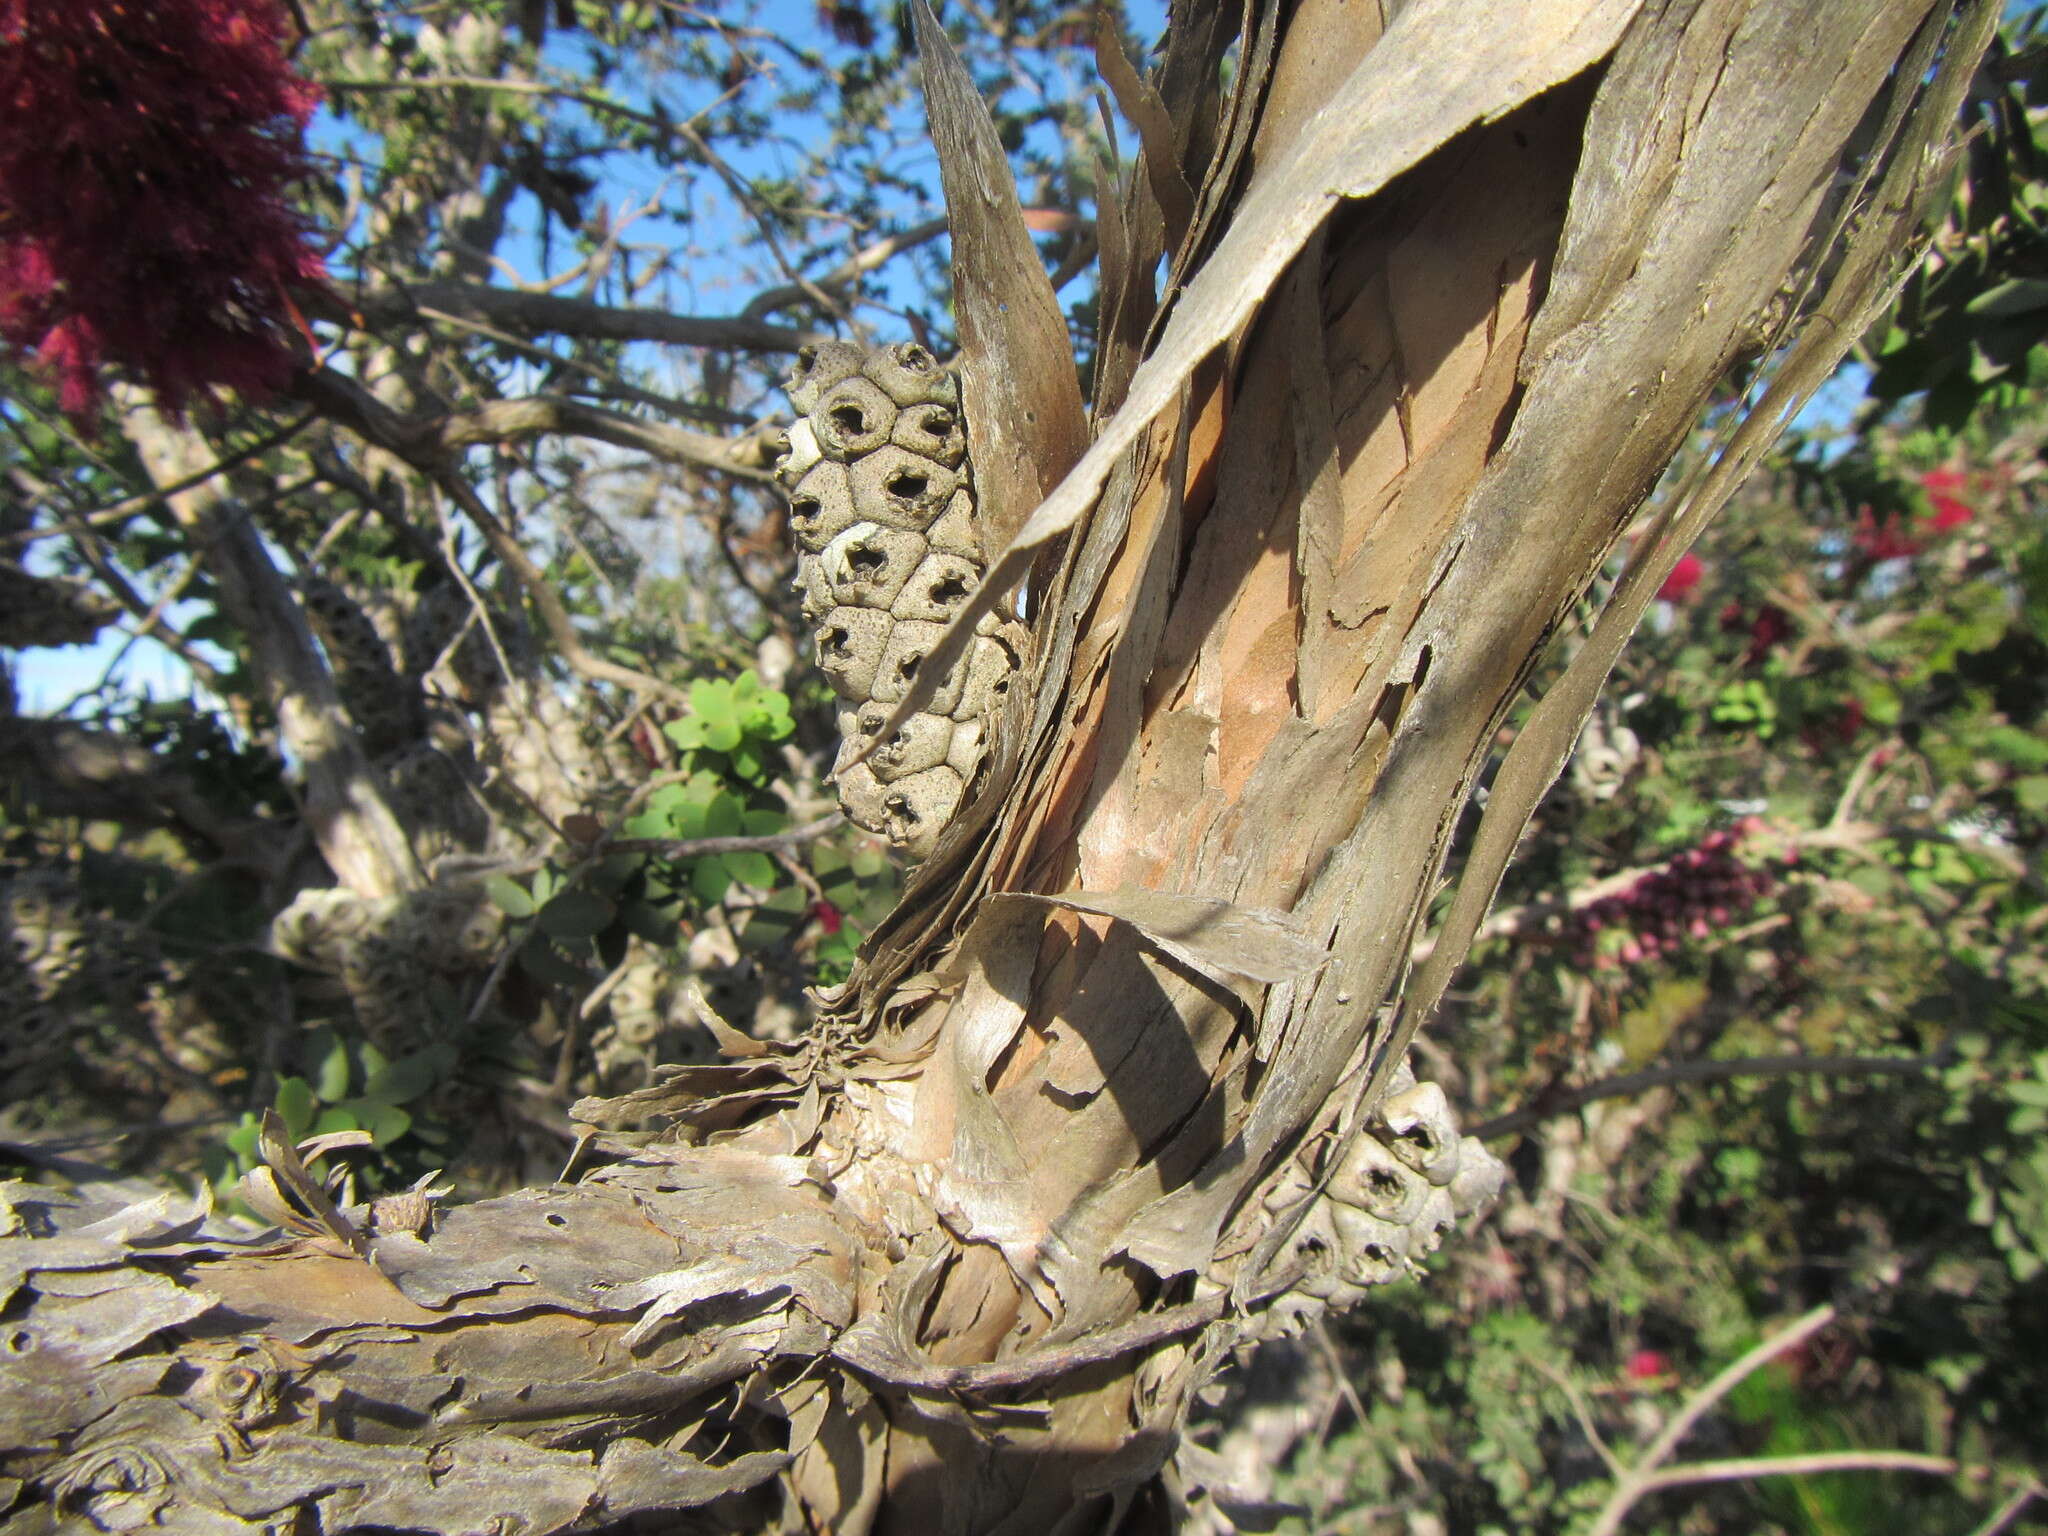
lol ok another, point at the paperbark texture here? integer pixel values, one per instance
(1447, 288)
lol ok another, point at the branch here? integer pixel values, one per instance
(612, 384)
(701, 847)
(121, 511)
(1642, 1477)
(348, 403)
(345, 802)
(63, 768)
(1801, 1466)
(847, 273)
(518, 310)
(499, 421)
(2009, 1511)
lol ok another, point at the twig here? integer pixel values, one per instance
(1584, 1412)
(492, 979)
(1639, 1480)
(1701, 1072)
(794, 868)
(613, 383)
(1859, 777)
(2009, 1511)
(348, 403)
(535, 313)
(848, 272)
(701, 847)
(120, 511)
(1801, 1466)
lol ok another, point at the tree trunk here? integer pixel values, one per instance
(1109, 1094)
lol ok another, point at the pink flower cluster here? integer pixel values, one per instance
(1689, 897)
(146, 151)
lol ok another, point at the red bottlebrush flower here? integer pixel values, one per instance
(1689, 897)
(1646, 1364)
(1950, 510)
(1683, 578)
(829, 918)
(1770, 625)
(848, 21)
(145, 155)
(1837, 729)
(1886, 540)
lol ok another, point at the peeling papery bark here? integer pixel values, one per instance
(1119, 1086)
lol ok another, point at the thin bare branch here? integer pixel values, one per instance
(1642, 1477)
(536, 314)
(847, 273)
(2009, 1511)
(121, 511)
(354, 407)
(1802, 1466)
(703, 847)
(498, 421)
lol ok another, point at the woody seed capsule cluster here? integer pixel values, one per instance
(1382, 1201)
(882, 510)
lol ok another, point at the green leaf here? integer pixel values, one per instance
(710, 880)
(2029, 1091)
(2018, 296)
(647, 921)
(330, 1077)
(2033, 565)
(546, 964)
(670, 798)
(408, 1077)
(577, 914)
(711, 703)
(609, 875)
(386, 1123)
(509, 895)
(767, 926)
(722, 816)
(336, 1117)
(295, 1105)
(242, 1139)
(649, 824)
(755, 869)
